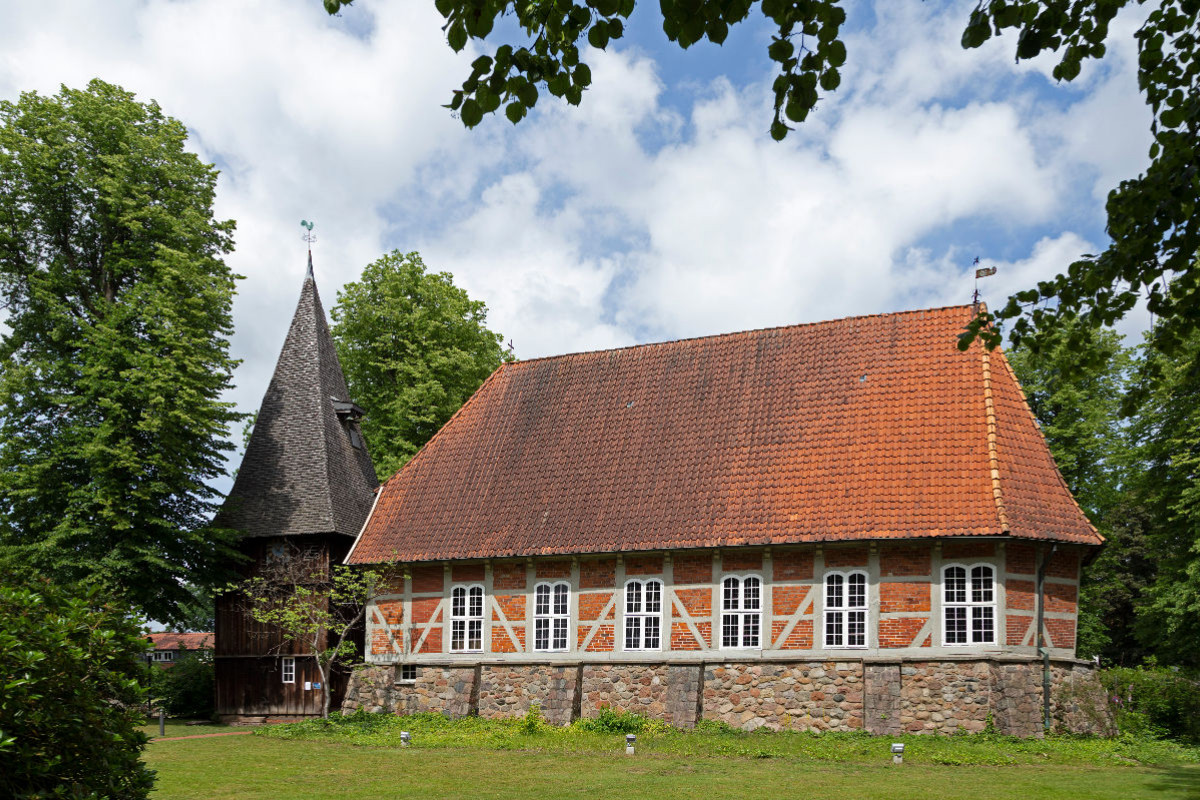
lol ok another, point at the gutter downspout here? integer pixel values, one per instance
(1043, 650)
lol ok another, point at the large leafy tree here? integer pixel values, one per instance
(117, 307)
(413, 347)
(1152, 218)
(1168, 431)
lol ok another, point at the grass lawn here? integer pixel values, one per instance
(474, 758)
(181, 727)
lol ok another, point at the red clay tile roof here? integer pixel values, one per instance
(186, 641)
(863, 428)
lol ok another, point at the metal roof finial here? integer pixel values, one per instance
(309, 237)
(980, 272)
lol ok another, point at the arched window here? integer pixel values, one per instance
(551, 616)
(741, 611)
(643, 615)
(466, 619)
(846, 609)
(968, 604)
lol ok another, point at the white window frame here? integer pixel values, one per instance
(401, 673)
(468, 617)
(973, 603)
(164, 655)
(844, 612)
(554, 617)
(740, 612)
(287, 669)
(638, 613)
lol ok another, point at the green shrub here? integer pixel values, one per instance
(609, 721)
(187, 688)
(1154, 701)
(69, 716)
(532, 722)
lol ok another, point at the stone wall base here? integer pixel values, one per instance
(884, 698)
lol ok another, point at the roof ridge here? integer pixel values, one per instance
(1028, 410)
(993, 456)
(732, 334)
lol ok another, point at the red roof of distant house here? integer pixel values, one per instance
(181, 641)
(864, 428)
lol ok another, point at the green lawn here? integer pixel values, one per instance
(477, 758)
(182, 728)
(249, 767)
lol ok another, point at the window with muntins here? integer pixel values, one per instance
(643, 615)
(968, 604)
(551, 616)
(741, 611)
(287, 669)
(846, 609)
(466, 619)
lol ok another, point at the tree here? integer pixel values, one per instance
(70, 662)
(413, 347)
(118, 314)
(318, 610)
(187, 688)
(1152, 219)
(1168, 431)
(1076, 396)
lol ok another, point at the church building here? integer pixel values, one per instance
(833, 526)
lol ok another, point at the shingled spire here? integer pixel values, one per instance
(306, 468)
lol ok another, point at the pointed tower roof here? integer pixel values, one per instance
(306, 468)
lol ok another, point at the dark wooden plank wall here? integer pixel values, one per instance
(247, 657)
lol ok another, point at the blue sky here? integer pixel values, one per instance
(659, 209)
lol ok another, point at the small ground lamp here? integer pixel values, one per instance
(629, 740)
(405, 738)
(897, 753)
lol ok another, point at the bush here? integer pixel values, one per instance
(187, 688)
(1154, 701)
(609, 721)
(69, 717)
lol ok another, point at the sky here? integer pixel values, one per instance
(658, 209)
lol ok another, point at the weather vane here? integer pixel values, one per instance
(309, 237)
(981, 272)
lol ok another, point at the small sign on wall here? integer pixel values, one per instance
(308, 686)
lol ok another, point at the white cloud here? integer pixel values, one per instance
(660, 208)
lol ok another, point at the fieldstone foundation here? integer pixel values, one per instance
(825, 696)
(884, 698)
(506, 691)
(656, 690)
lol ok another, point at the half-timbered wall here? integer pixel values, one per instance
(904, 603)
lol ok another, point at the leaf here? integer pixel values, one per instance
(471, 114)
(456, 35)
(515, 112)
(598, 35)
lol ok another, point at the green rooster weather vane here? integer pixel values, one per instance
(309, 237)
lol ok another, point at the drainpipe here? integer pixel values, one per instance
(1043, 650)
